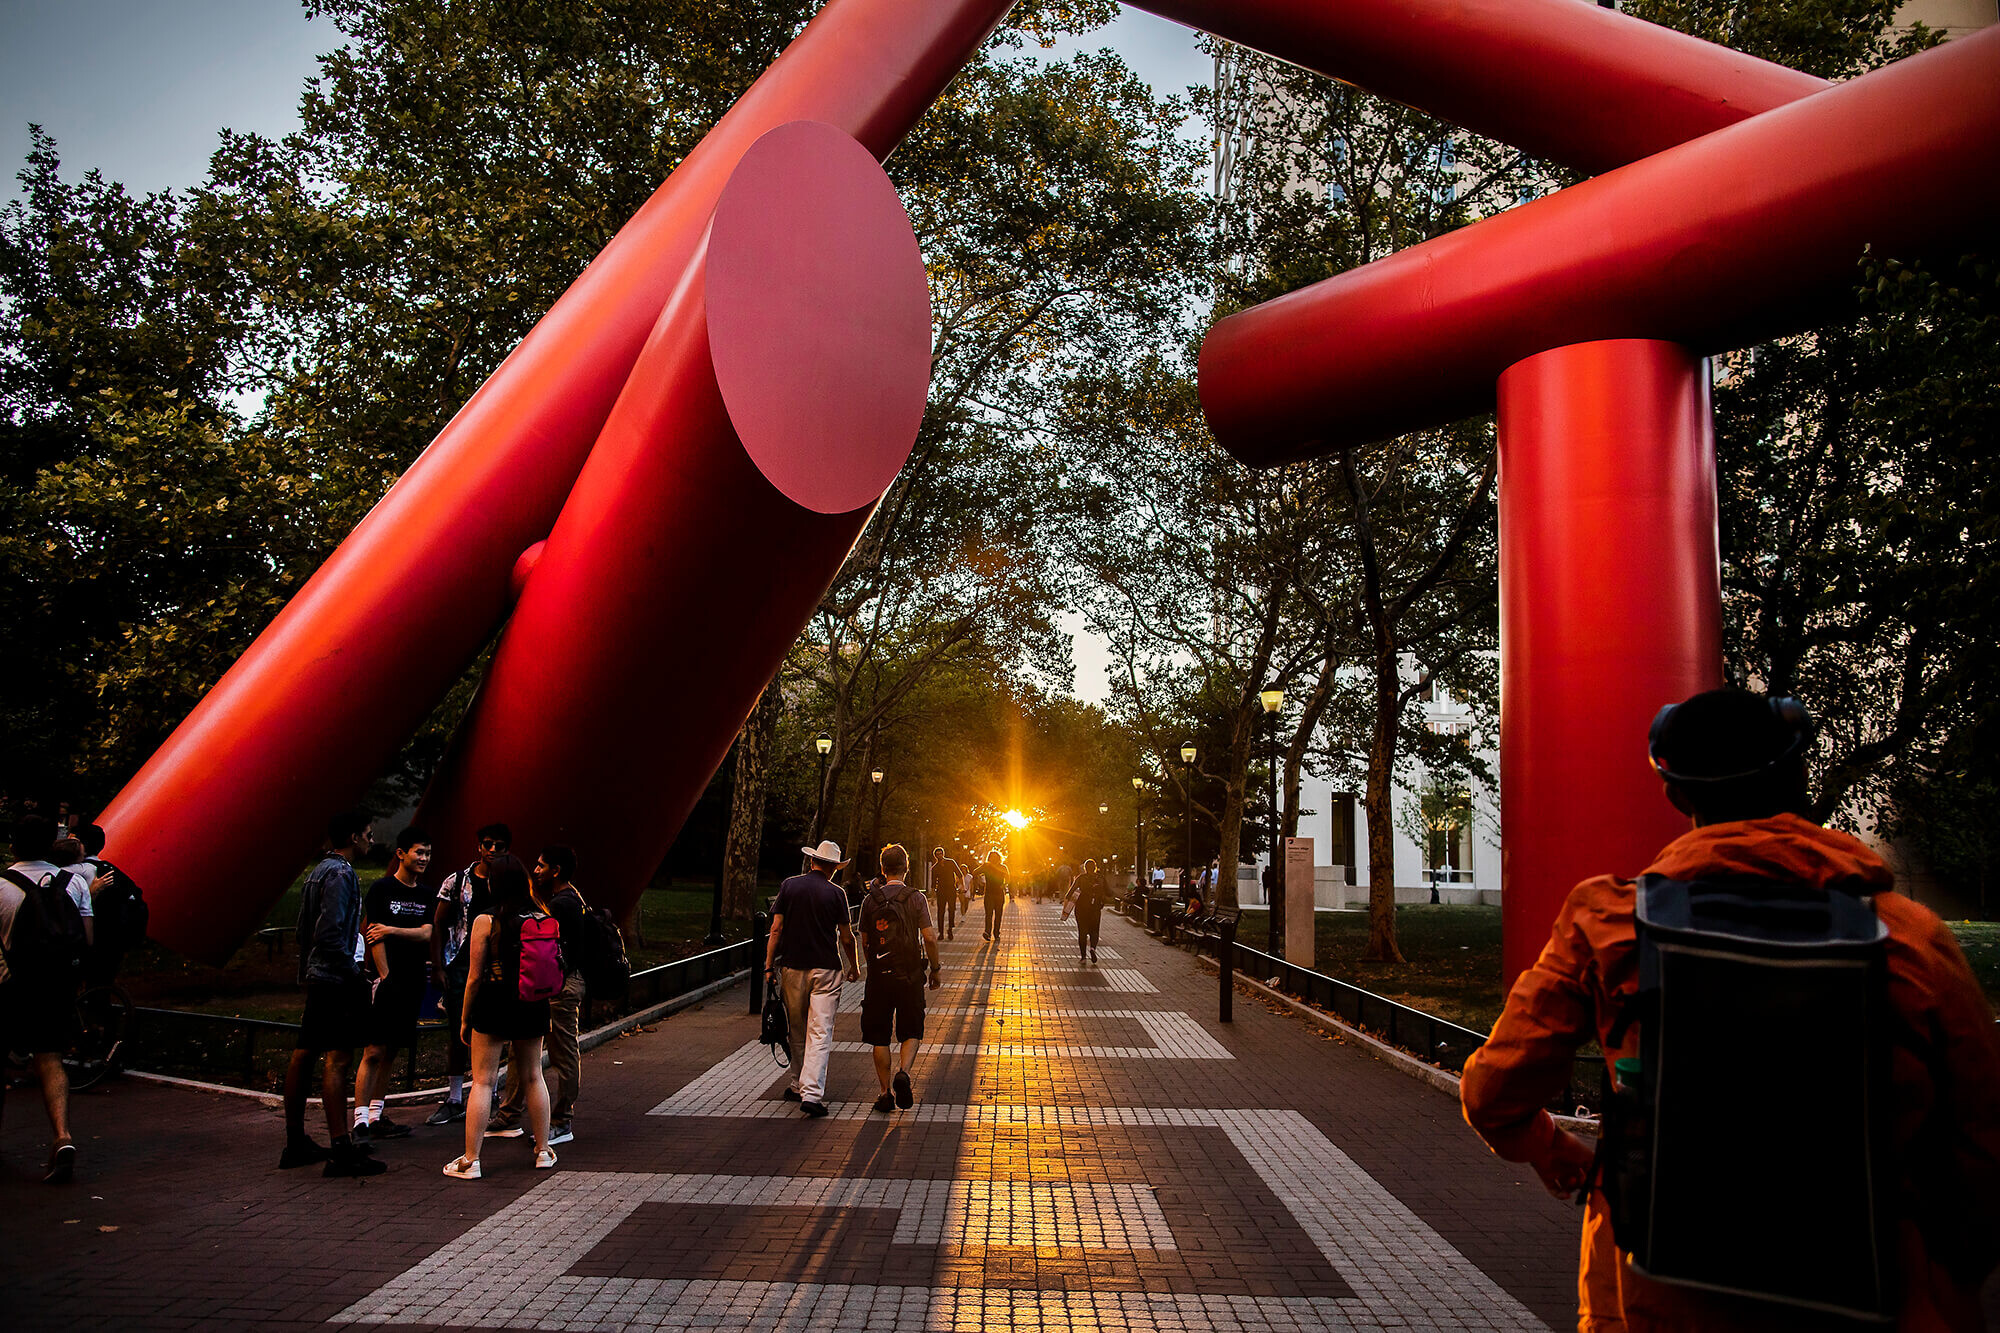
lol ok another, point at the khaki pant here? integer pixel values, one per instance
(811, 996)
(565, 1073)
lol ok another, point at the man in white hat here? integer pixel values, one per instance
(812, 939)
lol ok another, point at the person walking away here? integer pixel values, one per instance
(944, 879)
(811, 942)
(463, 898)
(896, 935)
(1086, 898)
(336, 1014)
(515, 968)
(118, 912)
(1736, 763)
(993, 879)
(550, 882)
(37, 978)
(396, 918)
(76, 875)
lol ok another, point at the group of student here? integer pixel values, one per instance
(492, 937)
(66, 919)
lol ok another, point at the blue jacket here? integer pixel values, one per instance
(330, 923)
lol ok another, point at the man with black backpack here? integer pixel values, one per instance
(556, 895)
(896, 934)
(1802, 1120)
(41, 961)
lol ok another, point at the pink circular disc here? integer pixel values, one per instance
(819, 317)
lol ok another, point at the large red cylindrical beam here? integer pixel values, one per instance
(777, 398)
(1610, 607)
(1730, 239)
(322, 700)
(1571, 82)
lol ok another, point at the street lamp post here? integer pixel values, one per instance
(1187, 810)
(823, 743)
(1274, 699)
(1139, 834)
(875, 826)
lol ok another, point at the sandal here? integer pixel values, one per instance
(462, 1168)
(545, 1158)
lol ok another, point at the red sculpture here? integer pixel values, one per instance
(653, 603)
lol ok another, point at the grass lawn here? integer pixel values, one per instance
(259, 982)
(1454, 957)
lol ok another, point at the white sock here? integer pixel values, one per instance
(375, 1110)
(458, 1087)
(360, 1116)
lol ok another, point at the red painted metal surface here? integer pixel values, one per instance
(776, 399)
(1735, 237)
(1568, 81)
(326, 695)
(1609, 608)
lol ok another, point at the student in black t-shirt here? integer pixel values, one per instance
(944, 890)
(397, 926)
(993, 876)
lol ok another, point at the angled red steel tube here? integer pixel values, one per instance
(1745, 234)
(1568, 81)
(319, 704)
(779, 395)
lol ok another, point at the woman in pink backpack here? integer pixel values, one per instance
(516, 968)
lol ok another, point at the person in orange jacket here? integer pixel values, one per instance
(1742, 778)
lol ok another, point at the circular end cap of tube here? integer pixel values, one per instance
(819, 317)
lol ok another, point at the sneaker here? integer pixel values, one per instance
(447, 1113)
(545, 1159)
(885, 1103)
(462, 1168)
(347, 1159)
(303, 1153)
(560, 1134)
(901, 1083)
(813, 1110)
(360, 1131)
(385, 1128)
(62, 1166)
(791, 1094)
(506, 1132)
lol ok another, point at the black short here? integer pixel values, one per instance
(892, 1008)
(501, 1014)
(36, 1019)
(336, 1016)
(392, 1014)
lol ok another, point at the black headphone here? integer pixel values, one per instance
(1789, 712)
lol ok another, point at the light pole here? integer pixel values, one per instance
(1187, 811)
(1139, 834)
(875, 826)
(823, 743)
(1274, 699)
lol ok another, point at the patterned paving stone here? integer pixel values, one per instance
(1090, 1150)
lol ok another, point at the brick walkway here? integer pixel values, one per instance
(1090, 1150)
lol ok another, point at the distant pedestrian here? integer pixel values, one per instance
(993, 879)
(512, 958)
(397, 927)
(462, 899)
(37, 981)
(554, 893)
(336, 1014)
(944, 885)
(1086, 898)
(811, 942)
(896, 936)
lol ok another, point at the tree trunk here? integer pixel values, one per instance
(1382, 947)
(855, 809)
(746, 806)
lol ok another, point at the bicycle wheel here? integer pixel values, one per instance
(104, 1014)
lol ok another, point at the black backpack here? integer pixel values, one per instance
(1759, 1000)
(48, 944)
(120, 911)
(599, 953)
(893, 933)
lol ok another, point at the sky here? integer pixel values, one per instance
(139, 89)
